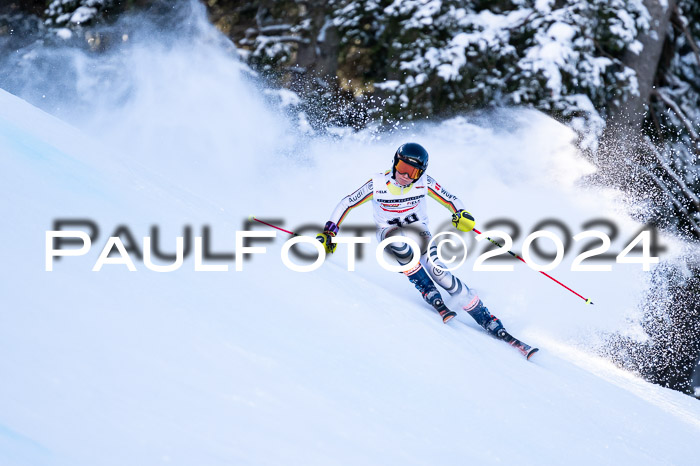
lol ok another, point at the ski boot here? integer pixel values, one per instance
(488, 321)
(427, 288)
(434, 299)
(494, 327)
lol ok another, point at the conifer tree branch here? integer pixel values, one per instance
(679, 205)
(677, 110)
(689, 194)
(683, 26)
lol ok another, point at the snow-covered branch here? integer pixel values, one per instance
(687, 192)
(681, 115)
(678, 204)
(681, 23)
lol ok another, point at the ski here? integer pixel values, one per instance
(524, 349)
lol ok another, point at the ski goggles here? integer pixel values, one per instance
(409, 170)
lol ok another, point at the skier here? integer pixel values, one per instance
(399, 197)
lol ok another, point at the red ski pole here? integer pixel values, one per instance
(588, 301)
(252, 217)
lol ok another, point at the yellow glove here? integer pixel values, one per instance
(463, 220)
(330, 230)
(325, 239)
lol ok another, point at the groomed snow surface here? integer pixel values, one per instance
(267, 366)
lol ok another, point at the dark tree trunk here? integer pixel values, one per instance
(623, 134)
(634, 111)
(320, 56)
(625, 154)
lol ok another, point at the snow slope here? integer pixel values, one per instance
(270, 366)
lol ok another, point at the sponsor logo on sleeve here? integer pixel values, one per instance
(357, 196)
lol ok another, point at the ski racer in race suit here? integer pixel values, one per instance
(399, 198)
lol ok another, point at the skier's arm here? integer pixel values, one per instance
(349, 202)
(444, 198)
(357, 198)
(461, 219)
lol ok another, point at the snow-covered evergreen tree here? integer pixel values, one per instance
(438, 57)
(75, 13)
(674, 119)
(272, 42)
